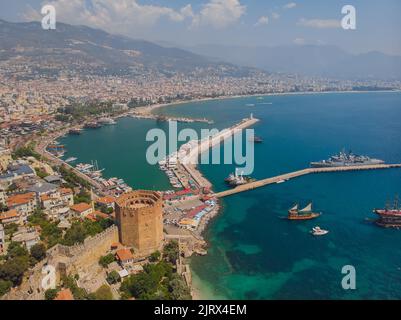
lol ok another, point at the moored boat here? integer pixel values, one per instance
(389, 217)
(317, 231)
(346, 159)
(304, 214)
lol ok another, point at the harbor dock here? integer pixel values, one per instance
(296, 174)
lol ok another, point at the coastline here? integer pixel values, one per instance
(149, 109)
(198, 293)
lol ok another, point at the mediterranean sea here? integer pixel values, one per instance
(253, 253)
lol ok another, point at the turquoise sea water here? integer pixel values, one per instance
(253, 253)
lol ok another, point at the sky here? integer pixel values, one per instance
(230, 22)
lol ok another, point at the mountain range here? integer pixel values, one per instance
(93, 51)
(89, 51)
(313, 60)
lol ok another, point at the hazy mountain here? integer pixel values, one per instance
(92, 51)
(320, 60)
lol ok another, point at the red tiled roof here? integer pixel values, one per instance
(124, 255)
(106, 200)
(65, 191)
(101, 215)
(19, 199)
(81, 207)
(9, 214)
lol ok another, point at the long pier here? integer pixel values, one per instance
(296, 174)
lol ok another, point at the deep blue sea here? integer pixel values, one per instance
(255, 254)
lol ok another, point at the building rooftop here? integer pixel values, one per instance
(42, 187)
(81, 207)
(20, 199)
(124, 255)
(106, 200)
(9, 214)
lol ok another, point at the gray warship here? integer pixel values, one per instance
(344, 159)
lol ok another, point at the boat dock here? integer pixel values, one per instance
(163, 118)
(189, 160)
(296, 174)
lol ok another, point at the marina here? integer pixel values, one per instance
(161, 118)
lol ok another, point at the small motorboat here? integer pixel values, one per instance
(317, 231)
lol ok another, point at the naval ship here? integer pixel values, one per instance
(344, 159)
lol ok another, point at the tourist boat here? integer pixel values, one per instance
(236, 180)
(305, 214)
(317, 231)
(71, 159)
(390, 217)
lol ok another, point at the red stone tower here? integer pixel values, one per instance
(139, 216)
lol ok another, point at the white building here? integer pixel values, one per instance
(28, 238)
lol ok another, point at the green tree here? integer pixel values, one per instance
(171, 252)
(76, 234)
(155, 256)
(82, 196)
(78, 293)
(38, 251)
(5, 286)
(40, 173)
(178, 288)
(13, 269)
(104, 293)
(10, 229)
(106, 260)
(113, 277)
(51, 294)
(15, 249)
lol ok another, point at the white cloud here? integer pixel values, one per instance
(290, 5)
(275, 15)
(120, 16)
(219, 13)
(319, 23)
(262, 21)
(125, 16)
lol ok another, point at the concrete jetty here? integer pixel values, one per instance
(296, 174)
(188, 154)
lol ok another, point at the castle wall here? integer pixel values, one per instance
(66, 260)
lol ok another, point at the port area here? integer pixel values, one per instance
(162, 118)
(285, 177)
(188, 211)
